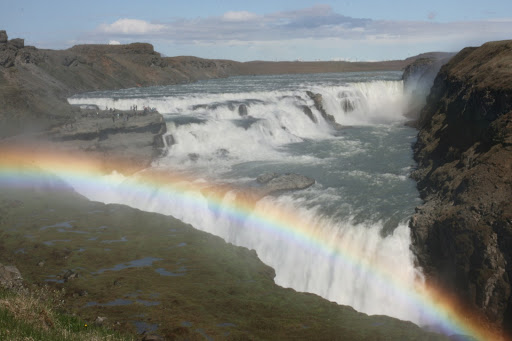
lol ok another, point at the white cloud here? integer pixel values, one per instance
(239, 16)
(303, 26)
(114, 42)
(131, 26)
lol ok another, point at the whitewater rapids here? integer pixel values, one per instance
(230, 131)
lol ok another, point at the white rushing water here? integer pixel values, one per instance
(362, 198)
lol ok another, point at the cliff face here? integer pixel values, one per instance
(418, 78)
(462, 235)
(34, 83)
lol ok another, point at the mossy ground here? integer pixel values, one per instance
(150, 272)
(35, 315)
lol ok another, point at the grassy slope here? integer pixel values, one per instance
(217, 290)
(35, 316)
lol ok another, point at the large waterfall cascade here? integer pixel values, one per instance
(229, 131)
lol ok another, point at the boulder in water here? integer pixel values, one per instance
(169, 139)
(242, 110)
(307, 111)
(318, 100)
(266, 177)
(347, 105)
(288, 182)
(274, 183)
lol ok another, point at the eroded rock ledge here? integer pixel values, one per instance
(462, 235)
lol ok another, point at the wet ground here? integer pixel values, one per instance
(150, 273)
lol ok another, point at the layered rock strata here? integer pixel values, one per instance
(462, 234)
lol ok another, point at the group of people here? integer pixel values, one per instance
(125, 116)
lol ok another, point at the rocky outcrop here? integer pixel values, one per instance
(286, 182)
(319, 105)
(10, 277)
(35, 84)
(130, 138)
(242, 110)
(462, 234)
(18, 43)
(266, 177)
(307, 111)
(3, 37)
(418, 78)
(273, 183)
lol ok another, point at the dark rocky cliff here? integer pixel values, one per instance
(35, 83)
(462, 235)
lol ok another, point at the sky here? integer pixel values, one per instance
(263, 29)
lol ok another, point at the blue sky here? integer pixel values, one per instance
(261, 29)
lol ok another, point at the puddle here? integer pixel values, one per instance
(179, 245)
(186, 324)
(95, 211)
(120, 302)
(123, 239)
(52, 242)
(103, 227)
(93, 238)
(138, 263)
(143, 327)
(114, 303)
(53, 279)
(72, 231)
(180, 272)
(144, 302)
(80, 250)
(207, 337)
(147, 303)
(65, 224)
(22, 250)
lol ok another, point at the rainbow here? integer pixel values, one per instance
(20, 166)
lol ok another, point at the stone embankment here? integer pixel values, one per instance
(131, 138)
(462, 234)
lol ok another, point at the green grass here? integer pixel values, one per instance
(34, 316)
